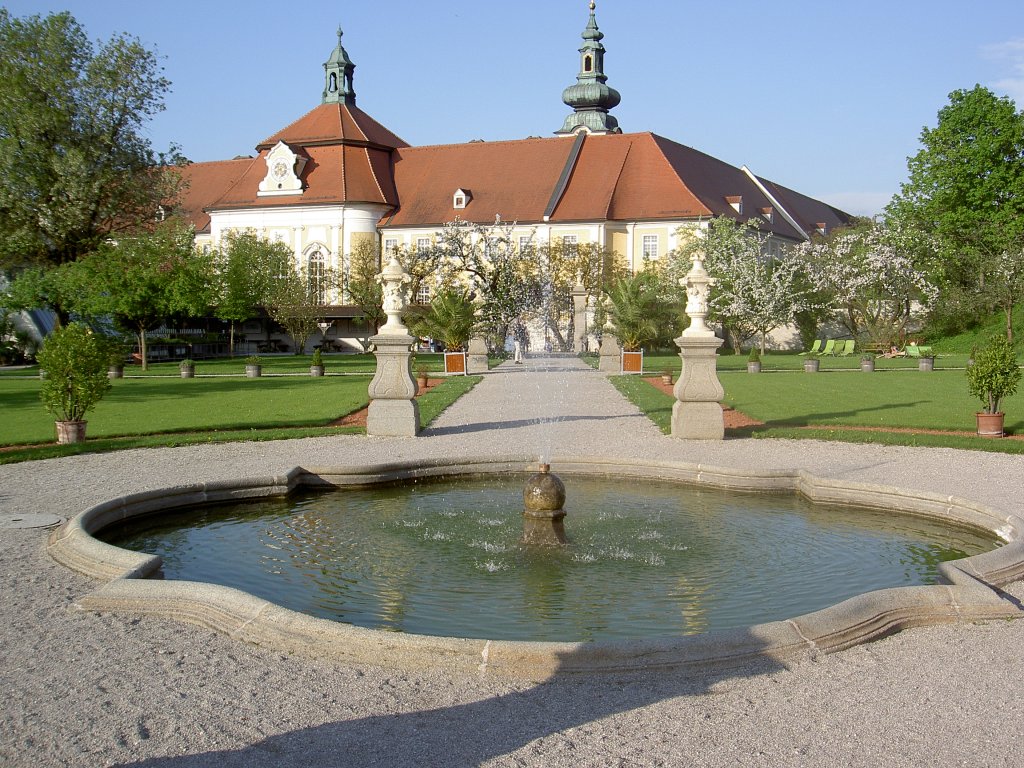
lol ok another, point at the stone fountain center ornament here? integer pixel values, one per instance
(393, 410)
(697, 413)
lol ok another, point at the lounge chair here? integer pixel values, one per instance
(913, 350)
(815, 348)
(829, 348)
(848, 347)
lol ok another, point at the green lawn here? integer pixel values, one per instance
(150, 411)
(887, 399)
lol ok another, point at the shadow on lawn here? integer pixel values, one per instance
(822, 420)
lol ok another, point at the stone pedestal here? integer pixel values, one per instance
(610, 354)
(393, 410)
(697, 414)
(476, 357)
(579, 322)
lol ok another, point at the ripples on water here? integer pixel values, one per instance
(646, 559)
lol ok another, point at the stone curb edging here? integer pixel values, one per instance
(969, 594)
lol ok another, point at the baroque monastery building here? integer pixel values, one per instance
(336, 178)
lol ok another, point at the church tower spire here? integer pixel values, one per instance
(338, 71)
(590, 97)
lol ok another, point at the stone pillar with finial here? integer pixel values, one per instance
(697, 413)
(393, 410)
(611, 352)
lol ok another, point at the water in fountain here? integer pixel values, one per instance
(647, 559)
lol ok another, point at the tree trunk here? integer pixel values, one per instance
(231, 340)
(142, 348)
(1009, 322)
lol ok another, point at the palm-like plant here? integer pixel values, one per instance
(639, 312)
(450, 317)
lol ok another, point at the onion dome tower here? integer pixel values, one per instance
(590, 97)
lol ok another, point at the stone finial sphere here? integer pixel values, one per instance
(544, 492)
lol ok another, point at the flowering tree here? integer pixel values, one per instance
(502, 276)
(565, 267)
(871, 280)
(755, 292)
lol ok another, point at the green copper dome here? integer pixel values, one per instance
(591, 97)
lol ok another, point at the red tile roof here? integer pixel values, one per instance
(204, 183)
(617, 177)
(331, 124)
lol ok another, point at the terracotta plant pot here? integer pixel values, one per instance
(70, 432)
(990, 424)
(422, 382)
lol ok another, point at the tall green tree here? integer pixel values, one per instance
(966, 189)
(245, 268)
(140, 281)
(76, 166)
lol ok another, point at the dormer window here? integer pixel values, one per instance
(822, 228)
(461, 198)
(768, 213)
(736, 201)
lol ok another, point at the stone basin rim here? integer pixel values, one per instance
(970, 591)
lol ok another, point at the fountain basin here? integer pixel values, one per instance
(967, 596)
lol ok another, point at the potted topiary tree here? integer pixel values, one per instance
(994, 375)
(638, 314)
(754, 360)
(76, 363)
(316, 365)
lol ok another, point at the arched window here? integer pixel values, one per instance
(315, 273)
(588, 64)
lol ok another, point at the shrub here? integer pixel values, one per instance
(75, 361)
(994, 375)
(318, 358)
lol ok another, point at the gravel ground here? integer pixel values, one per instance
(87, 689)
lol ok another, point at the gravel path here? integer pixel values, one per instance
(85, 689)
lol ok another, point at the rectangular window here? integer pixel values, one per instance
(525, 244)
(390, 245)
(422, 243)
(569, 243)
(423, 294)
(650, 247)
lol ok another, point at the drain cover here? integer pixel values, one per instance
(29, 520)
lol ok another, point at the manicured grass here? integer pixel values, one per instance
(149, 412)
(657, 362)
(888, 400)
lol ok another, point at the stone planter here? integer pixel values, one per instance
(253, 371)
(666, 378)
(926, 364)
(115, 372)
(71, 432)
(316, 370)
(867, 365)
(990, 424)
(753, 367)
(422, 382)
(812, 365)
(187, 371)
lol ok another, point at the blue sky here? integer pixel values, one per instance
(828, 98)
